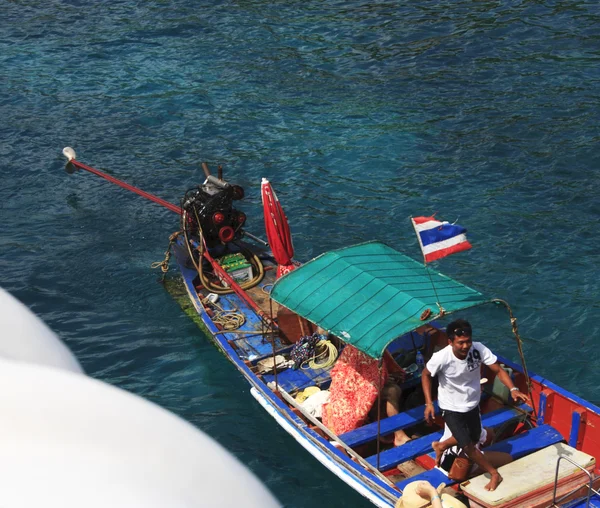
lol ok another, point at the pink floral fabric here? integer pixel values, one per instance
(354, 389)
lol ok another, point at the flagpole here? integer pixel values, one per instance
(442, 310)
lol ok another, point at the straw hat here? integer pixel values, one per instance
(410, 498)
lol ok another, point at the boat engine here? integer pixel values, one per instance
(209, 209)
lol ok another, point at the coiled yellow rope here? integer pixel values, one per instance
(325, 349)
(228, 319)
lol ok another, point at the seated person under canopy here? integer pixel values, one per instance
(355, 382)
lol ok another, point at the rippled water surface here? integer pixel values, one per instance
(360, 113)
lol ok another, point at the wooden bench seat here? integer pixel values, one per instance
(388, 425)
(421, 446)
(517, 446)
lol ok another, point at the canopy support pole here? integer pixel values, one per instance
(272, 334)
(379, 409)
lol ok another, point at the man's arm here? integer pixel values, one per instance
(426, 384)
(503, 376)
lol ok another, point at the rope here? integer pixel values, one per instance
(164, 264)
(328, 351)
(228, 319)
(515, 330)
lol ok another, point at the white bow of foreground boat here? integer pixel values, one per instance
(27, 338)
(69, 441)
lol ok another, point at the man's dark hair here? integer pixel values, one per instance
(460, 327)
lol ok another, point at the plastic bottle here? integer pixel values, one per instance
(420, 361)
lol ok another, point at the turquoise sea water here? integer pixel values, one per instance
(360, 113)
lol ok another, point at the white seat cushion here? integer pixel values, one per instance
(527, 474)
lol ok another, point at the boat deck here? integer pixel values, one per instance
(260, 293)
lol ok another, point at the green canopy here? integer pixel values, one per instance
(369, 294)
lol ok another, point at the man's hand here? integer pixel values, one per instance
(426, 384)
(425, 490)
(429, 413)
(519, 395)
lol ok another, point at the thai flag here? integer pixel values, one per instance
(439, 239)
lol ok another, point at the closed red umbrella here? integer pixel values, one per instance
(278, 229)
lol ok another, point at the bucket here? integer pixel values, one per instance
(499, 389)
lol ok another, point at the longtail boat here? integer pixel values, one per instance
(264, 310)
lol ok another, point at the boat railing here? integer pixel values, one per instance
(565, 496)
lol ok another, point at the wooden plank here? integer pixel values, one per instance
(417, 447)
(388, 459)
(391, 424)
(500, 416)
(528, 442)
(545, 405)
(577, 417)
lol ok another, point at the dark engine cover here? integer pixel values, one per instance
(210, 207)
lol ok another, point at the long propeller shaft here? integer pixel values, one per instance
(236, 288)
(120, 183)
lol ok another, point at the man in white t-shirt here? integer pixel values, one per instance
(458, 369)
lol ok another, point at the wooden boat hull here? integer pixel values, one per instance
(574, 418)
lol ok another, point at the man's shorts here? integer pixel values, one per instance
(465, 427)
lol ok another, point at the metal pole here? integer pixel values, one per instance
(515, 330)
(273, 344)
(255, 238)
(379, 409)
(120, 183)
(437, 298)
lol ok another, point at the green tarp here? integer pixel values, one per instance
(369, 294)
